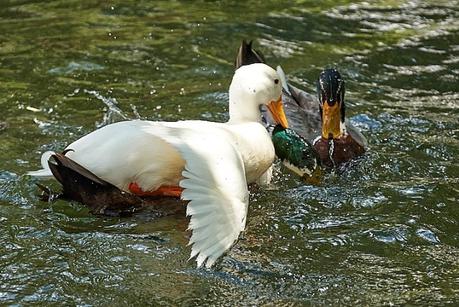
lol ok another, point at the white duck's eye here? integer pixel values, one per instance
(276, 81)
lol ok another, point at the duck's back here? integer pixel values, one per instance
(141, 152)
(302, 110)
(127, 152)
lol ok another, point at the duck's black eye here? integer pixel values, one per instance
(276, 81)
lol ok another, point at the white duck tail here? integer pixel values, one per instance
(45, 172)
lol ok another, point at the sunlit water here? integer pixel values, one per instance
(383, 231)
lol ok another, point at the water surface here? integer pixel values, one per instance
(385, 231)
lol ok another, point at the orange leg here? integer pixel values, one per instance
(171, 191)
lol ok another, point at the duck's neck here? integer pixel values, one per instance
(243, 108)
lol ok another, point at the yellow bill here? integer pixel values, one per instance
(277, 111)
(331, 119)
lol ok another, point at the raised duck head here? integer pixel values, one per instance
(330, 90)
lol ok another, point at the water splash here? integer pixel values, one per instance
(113, 112)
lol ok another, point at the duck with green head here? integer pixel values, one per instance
(295, 152)
(319, 121)
(335, 145)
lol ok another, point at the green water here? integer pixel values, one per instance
(383, 232)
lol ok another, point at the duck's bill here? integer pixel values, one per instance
(277, 111)
(331, 118)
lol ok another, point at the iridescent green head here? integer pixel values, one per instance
(295, 152)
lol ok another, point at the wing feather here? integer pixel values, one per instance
(214, 182)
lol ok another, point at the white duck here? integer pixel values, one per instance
(211, 162)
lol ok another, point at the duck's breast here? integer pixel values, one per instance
(256, 148)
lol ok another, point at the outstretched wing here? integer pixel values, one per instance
(215, 184)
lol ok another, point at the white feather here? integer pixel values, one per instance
(45, 172)
(224, 191)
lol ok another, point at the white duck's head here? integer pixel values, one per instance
(253, 86)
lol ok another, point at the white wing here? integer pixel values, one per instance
(216, 187)
(214, 175)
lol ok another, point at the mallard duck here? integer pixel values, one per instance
(321, 122)
(206, 163)
(294, 151)
(339, 141)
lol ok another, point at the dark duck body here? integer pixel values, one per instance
(102, 197)
(318, 120)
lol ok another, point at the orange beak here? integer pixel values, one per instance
(331, 120)
(277, 111)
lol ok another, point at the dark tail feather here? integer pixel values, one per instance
(247, 55)
(81, 185)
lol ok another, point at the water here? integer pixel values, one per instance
(383, 232)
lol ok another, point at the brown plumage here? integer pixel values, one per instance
(337, 151)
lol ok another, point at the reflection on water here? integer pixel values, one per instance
(382, 232)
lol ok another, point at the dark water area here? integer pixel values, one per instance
(384, 231)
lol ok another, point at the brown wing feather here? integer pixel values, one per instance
(66, 162)
(81, 185)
